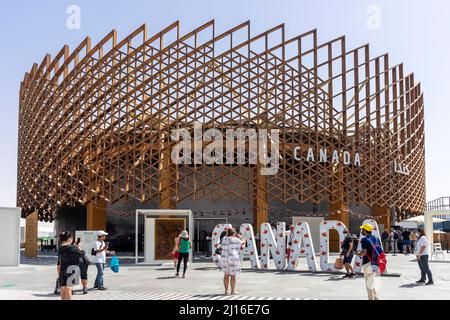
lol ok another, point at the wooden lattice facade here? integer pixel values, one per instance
(95, 122)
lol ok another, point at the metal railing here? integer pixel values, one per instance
(441, 204)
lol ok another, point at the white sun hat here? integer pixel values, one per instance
(185, 234)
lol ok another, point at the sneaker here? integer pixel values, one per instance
(429, 283)
(184, 276)
(420, 281)
(96, 287)
(85, 290)
(102, 288)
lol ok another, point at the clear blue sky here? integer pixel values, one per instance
(412, 31)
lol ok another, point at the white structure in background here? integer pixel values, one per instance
(151, 217)
(411, 225)
(429, 219)
(314, 226)
(10, 242)
(87, 242)
(45, 230)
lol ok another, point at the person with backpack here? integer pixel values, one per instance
(184, 248)
(374, 260)
(100, 251)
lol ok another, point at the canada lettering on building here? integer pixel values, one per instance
(328, 156)
(273, 245)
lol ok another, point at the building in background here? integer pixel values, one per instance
(96, 120)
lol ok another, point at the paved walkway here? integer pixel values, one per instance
(204, 281)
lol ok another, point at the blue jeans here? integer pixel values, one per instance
(99, 279)
(425, 269)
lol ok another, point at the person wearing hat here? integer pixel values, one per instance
(369, 266)
(184, 248)
(101, 249)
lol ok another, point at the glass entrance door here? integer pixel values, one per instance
(203, 232)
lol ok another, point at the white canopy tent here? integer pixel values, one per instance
(421, 219)
(429, 219)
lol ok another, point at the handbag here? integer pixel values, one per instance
(115, 264)
(339, 263)
(86, 260)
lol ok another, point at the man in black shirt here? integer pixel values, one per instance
(347, 254)
(406, 242)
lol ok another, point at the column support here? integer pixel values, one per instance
(31, 236)
(261, 204)
(96, 218)
(382, 215)
(167, 179)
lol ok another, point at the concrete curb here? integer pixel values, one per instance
(387, 275)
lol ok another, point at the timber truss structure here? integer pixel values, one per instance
(95, 122)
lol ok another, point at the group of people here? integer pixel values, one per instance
(401, 240)
(73, 260)
(371, 247)
(73, 263)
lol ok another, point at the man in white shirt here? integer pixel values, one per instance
(100, 259)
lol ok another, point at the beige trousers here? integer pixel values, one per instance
(371, 279)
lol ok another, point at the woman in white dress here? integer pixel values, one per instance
(232, 245)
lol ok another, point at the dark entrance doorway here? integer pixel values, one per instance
(203, 232)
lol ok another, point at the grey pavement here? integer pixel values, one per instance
(35, 279)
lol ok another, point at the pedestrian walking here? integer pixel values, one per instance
(232, 245)
(68, 264)
(399, 240)
(392, 236)
(385, 240)
(371, 250)
(289, 238)
(100, 252)
(406, 235)
(413, 238)
(347, 254)
(175, 248)
(184, 248)
(84, 265)
(422, 253)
